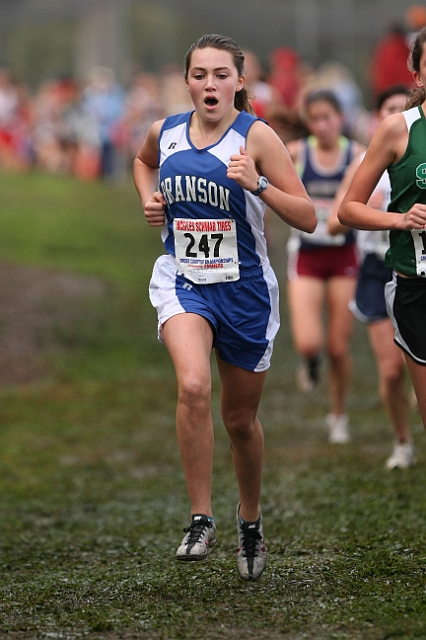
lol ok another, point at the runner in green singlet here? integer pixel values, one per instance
(399, 145)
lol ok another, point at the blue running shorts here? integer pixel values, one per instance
(244, 314)
(369, 304)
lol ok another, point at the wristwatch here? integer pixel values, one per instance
(262, 183)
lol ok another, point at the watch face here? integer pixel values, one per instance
(262, 183)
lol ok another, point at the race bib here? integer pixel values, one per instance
(323, 208)
(419, 239)
(206, 250)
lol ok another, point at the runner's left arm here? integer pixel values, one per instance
(286, 195)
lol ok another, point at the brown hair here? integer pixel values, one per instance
(216, 41)
(394, 90)
(417, 94)
(323, 95)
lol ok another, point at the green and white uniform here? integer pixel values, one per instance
(407, 252)
(406, 297)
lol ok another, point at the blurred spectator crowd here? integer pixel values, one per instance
(93, 129)
(88, 130)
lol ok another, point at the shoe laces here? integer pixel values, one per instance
(250, 539)
(196, 529)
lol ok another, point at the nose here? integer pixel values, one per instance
(210, 83)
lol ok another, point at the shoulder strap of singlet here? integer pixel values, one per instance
(411, 116)
(243, 122)
(352, 150)
(302, 154)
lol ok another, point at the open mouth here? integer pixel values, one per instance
(210, 101)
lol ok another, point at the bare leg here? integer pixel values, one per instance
(188, 338)
(390, 364)
(418, 377)
(241, 392)
(340, 321)
(305, 297)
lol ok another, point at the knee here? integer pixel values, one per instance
(308, 349)
(194, 392)
(392, 376)
(337, 352)
(238, 426)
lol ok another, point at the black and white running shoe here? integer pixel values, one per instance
(251, 556)
(200, 537)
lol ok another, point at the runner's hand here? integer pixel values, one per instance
(415, 218)
(243, 170)
(154, 210)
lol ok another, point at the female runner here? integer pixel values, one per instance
(217, 168)
(323, 268)
(399, 145)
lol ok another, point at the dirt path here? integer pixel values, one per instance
(36, 307)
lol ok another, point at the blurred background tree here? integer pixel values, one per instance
(40, 39)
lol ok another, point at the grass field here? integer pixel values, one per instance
(92, 495)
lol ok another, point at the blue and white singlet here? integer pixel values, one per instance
(195, 186)
(216, 264)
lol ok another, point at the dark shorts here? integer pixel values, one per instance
(369, 304)
(324, 262)
(406, 304)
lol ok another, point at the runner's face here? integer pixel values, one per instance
(212, 82)
(394, 104)
(324, 122)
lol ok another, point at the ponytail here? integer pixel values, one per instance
(242, 101)
(416, 97)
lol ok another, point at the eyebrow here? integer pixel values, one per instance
(217, 69)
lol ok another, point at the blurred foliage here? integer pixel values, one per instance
(38, 39)
(154, 37)
(176, 31)
(36, 52)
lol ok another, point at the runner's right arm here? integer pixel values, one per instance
(145, 175)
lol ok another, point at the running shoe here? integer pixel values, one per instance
(251, 556)
(200, 537)
(307, 375)
(402, 456)
(338, 430)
